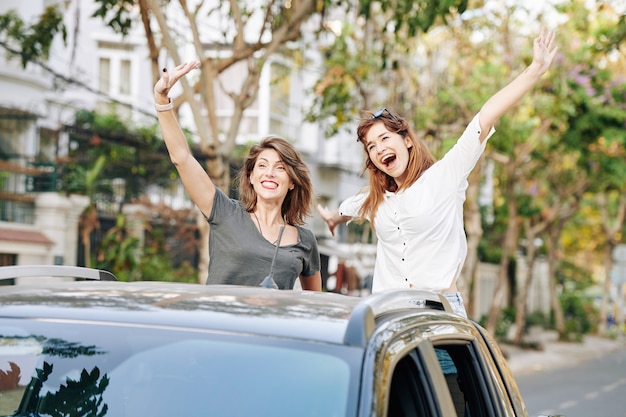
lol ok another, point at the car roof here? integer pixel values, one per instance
(308, 315)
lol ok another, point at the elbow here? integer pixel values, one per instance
(180, 158)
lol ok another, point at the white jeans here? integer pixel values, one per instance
(456, 301)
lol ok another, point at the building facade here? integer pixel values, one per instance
(97, 69)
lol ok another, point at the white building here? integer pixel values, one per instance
(98, 70)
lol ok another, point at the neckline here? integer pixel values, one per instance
(280, 232)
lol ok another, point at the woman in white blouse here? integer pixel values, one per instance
(414, 202)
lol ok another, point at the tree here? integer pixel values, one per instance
(31, 42)
(86, 181)
(555, 196)
(370, 59)
(596, 118)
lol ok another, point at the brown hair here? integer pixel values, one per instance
(420, 159)
(298, 202)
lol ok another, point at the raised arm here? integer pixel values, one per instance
(195, 179)
(544, 52)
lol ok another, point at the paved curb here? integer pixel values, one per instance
(555, 354)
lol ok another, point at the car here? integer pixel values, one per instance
(94, 346)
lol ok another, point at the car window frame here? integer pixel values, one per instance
(396, 337)
(486, 400)
(502, 372)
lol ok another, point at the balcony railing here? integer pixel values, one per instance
(19, 184)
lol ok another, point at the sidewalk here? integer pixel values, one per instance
(557, 354)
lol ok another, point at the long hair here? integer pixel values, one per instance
(298, 202)
(420, 159)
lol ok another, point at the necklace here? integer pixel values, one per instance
(261, 230)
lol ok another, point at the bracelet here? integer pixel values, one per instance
(165, 107)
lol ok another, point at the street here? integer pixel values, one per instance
(592, 388)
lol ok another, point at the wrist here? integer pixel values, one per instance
(163, 107)
(535, 69)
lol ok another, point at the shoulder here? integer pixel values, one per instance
(225, 199)
(224, 205)
(305, 234)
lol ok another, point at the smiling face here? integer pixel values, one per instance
(269, 176)
(388, 151)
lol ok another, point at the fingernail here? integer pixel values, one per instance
(164, 69)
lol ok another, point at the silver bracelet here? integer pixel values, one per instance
(165, 107)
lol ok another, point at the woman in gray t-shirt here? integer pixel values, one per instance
(266, 223)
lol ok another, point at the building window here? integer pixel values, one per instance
(7, 259)
(280, 88)
(104, 76)
(125, 77)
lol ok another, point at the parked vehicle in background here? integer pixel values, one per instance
(94, 347)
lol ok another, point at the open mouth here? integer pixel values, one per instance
(269, 184)
(388, 160)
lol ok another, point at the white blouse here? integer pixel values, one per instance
(421, 239)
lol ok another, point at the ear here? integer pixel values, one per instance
(407, 142)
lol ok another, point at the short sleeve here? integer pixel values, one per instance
(223, 206)
(352, 205)
(463, 156)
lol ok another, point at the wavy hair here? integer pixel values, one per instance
(297, 204)
(420, 159)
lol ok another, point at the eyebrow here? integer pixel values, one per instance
(260, 158)
(386, 132)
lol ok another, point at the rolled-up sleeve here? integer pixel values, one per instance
(352, 205)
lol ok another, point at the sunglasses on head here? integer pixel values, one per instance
(380, 113)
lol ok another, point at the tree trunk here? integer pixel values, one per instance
(554, 231)
(509, 247)
(612, 225)
(521, 300)
(606, 287)
(474, 231)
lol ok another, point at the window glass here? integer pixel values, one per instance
(409, 391)
(104, 75)
(471, 388)
(125, 77)
(57, 369)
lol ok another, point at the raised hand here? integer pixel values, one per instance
(169, 78)
(327, 216)
(544, 50)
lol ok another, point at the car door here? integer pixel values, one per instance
(402, 376)
(435, 369)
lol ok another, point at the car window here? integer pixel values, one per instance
(408, 381)
(409, 394)
(458, 366)
(56, 369)
(470, 384)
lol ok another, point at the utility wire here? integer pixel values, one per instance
(73, 81)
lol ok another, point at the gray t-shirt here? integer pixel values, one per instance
(240, 255)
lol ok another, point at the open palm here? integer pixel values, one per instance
(544, 49)
(169, 78)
